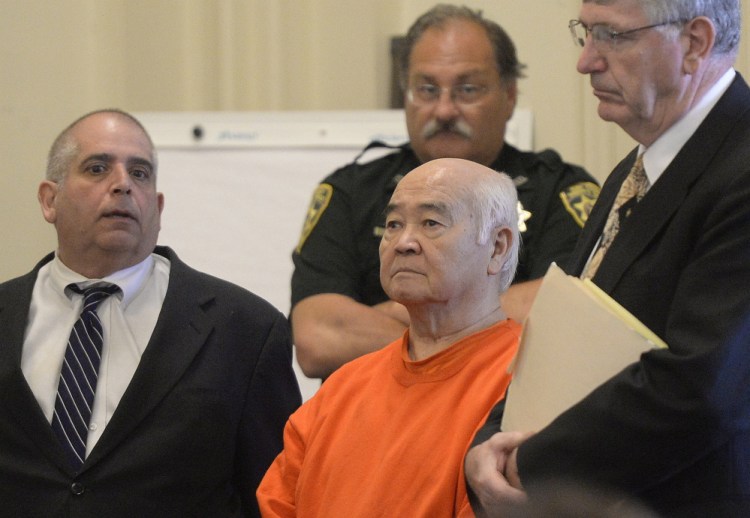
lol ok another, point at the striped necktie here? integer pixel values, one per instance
(631, 191)
(80, 369)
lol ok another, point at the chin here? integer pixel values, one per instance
(607, 116)
(402, 294)
(612, 112)
(126, 245)
(450, 149)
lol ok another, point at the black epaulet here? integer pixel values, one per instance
(550, 158)
(379, 144)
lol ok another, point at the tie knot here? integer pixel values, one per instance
(638, 162)
(638, 168)
(636, 184)
(93, 295)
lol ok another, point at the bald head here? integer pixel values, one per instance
(489, 196)
(66, 146)
(462, 213)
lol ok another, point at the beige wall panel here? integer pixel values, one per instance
(42, 86)
(61, 58)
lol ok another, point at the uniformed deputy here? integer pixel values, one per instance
(459, 74)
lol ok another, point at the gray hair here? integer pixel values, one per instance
(494, 201)
(508, 66)
(725, 15)
(65, 147)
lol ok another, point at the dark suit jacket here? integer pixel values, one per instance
(196, 429)
(673, 428)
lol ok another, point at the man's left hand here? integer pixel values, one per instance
(492, 474)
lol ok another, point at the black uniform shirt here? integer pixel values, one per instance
(338, 249)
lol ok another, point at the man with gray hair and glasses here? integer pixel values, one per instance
(669, 239)
(458, 73)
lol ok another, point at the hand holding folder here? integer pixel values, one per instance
(575, 338)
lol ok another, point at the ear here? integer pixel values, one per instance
(502, 238)
(160, 205)
(47, 196)
(511, 91)
(160, 202)
(701, 35)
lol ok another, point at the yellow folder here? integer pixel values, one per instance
(575, 338)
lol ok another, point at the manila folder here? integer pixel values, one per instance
(575, 338)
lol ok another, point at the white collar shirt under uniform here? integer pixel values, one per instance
(128, 319)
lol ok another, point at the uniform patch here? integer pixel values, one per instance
(320, 199)
(579, 199)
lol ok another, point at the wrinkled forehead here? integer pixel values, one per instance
(611, 10)
(438, 188)
(458, 46)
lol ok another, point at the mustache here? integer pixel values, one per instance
(457, 126)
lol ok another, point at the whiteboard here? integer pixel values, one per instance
(237, 185)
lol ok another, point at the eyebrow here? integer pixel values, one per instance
(99, 157)
(441, 208)
(140, 161)
(108, 158)
(469, 75)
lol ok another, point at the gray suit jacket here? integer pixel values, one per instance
(199, 424)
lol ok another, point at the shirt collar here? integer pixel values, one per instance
(130, 280)
(661, 153)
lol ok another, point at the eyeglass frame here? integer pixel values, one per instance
(454, 91)
(612, 35)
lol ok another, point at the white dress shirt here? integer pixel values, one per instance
(128, 319)
(661, 153)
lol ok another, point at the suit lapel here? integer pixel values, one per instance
(598, 217)
(16, 393)
(668, 193)
(182, 325)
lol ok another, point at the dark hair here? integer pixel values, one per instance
(506, 60)
(65, 147)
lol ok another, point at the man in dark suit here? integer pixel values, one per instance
(194, 380)
(669, 429)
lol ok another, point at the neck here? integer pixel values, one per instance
(100, 267)
(696, 86)
(430, 334)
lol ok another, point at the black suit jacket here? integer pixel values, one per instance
(673, 428)
(199, 424)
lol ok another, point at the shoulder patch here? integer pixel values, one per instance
(320, 199)
(579, 199)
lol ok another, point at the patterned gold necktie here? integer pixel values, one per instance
(631, 191)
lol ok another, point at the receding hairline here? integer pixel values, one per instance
(123, 115)
(66, 145)
(440, 16)
(457, 176)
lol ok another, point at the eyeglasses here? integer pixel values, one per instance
(603, 35)
(427, 93)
